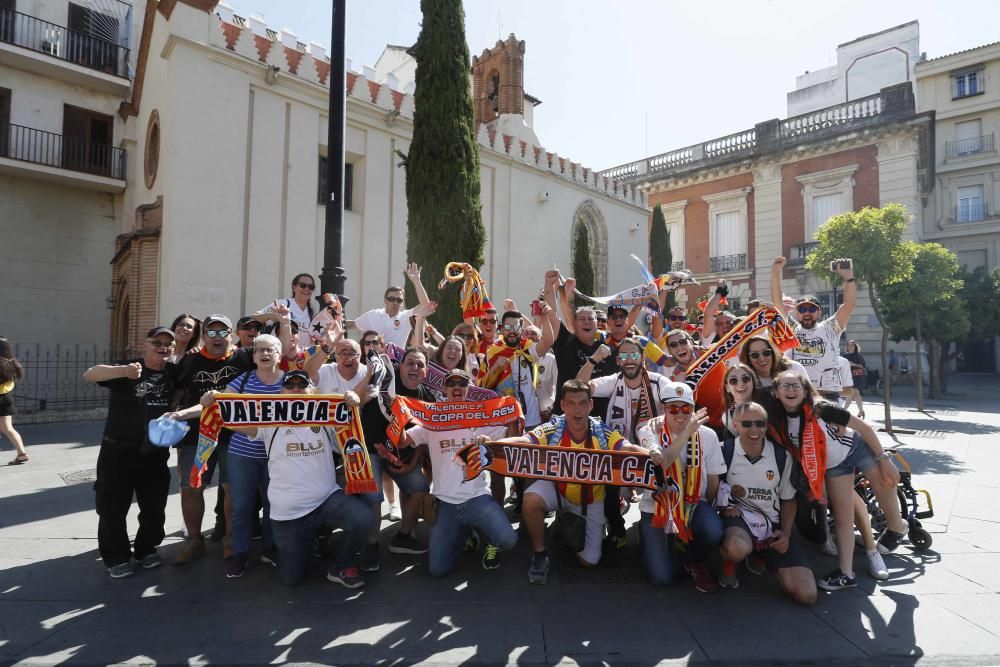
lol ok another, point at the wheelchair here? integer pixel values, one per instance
(909, 503)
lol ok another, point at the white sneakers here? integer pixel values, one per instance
(876, 566)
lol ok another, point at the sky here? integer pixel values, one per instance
(621, 80)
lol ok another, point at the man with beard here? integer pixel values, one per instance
(634, 397)
(819, 341)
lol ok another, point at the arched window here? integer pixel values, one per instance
(588, 215)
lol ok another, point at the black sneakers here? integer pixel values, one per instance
(837, 580)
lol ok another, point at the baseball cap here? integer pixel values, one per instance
(293, 375)
(457, 373)
(249, 319)
(156, 331)
(219, 318)
(677, 392)
(612, 309)
(809, 298)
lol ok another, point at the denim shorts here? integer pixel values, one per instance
(859, 459)
(408, 482)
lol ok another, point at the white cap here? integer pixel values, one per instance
(677, 392)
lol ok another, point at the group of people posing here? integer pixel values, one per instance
(734, 484)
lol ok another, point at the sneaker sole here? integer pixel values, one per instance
(494, 566)
(337, 580)
(370, 568)
(234, 576)
(121, 576)
(831, 588)
(268, 561)
(151, 567)
(407, 550)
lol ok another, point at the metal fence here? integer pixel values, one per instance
(53, 377)
(55, 150)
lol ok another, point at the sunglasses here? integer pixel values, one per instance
(677, 318)
(220, 333)
(487, 321)
(307, 286)
(393, 299)
(296, 384)
(678, 343)
(763, 353)
(373, 341)
(602, 319)
(743, 379)
(160, 345)
(457, 383)
(465, 336)
(512, 327)
(807, 308)
(759, 423)
(626, 356)
(682, 409)
(790, 386)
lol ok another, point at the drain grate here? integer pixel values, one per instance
(85, 476)
(930, 434)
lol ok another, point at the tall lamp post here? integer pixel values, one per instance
(332, 277)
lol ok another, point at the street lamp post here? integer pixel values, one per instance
(332, 278)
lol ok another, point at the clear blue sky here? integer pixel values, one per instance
(697, 70)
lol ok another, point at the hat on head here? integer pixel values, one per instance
(156, 331)
(457, 373)
(677, 392)
(222, 319)
(808, 298)
(249, 319)
(291, 375)
(611, 309)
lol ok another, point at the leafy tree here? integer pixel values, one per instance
(873, 238)
(661, 258)
(583, 266)
(442, 166)
(926, 307)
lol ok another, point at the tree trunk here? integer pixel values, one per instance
(937, 368)
(920, 365)
(886, 378)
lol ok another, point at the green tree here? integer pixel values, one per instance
(926, 307)
(583, 266)
(442, 166)
(873, 238)
(661, 258)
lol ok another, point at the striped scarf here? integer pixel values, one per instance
(674, 508)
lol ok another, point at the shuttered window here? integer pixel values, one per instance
(4, 120)
(7, 20)
(824, 208)
(86, 144)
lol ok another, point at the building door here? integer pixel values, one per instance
(87, 139)
(7, 20)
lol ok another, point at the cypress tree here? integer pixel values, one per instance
(583, 266)
(442, 167)
(661, 257)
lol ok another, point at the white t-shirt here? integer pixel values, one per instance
(837, 446)
(394, 330)
(844, 366)
(332, 382)
(623, 401)
(713, 462)
(301, 468)
(818, 351)
(521, 374)
(449, 483)
(763, 485)
(792, 366)
(545, 381)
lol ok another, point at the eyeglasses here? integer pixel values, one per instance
(296, 384)
(160, 345)
(759, 423)
(394, 299)
(678, 343)
(790, 386)
(265, 349)
(484, 321)
(512, 327)
(677, 318)
(307, 286)
(457, 383)
(743, 379)
(369, 342)
(217, 333)
(763, 353)
(348, 354)
(626, 356)
(602, 319)
(807, 308)
(682, 409)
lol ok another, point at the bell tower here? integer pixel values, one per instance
(498, 81)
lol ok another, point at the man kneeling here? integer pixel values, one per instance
(305, 496)
(462, 506)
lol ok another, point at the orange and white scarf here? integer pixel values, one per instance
(674, 506)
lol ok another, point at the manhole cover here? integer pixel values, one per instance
(85, 476)
(931, 434)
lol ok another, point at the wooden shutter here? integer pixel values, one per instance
(74, 140)
(7, 20)
(5, 95)
(87, 140)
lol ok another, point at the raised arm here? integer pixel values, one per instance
(776, 295)
(850, 291)
(548, 338)
(104, 372)
(587, 370)
(711, 308)
(569, 317)
(413, 275)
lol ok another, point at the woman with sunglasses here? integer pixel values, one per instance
(300, 305)
(470, 336)
(739, 386)
(672, 438)
(760, 514)
(808, 428)
(246, 459)
(766, 360)
(187, 333)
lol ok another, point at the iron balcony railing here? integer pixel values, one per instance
(971, 212)
(54, 150)
(727, 263)
(797, 253)
(970, 146)
(62, 43)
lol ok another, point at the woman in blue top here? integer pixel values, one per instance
(246, 459)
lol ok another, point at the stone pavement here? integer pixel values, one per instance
(940, 607)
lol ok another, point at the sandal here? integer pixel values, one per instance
(18, 460)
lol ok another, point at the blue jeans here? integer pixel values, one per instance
(658, 552)
(454, 523)
(294, 538)
(246, 477)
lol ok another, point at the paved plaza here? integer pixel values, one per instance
(57, 604)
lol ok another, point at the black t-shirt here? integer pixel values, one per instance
(570, 356)
(196, 374)
(133, 403)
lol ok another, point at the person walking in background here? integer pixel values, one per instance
(10, 373)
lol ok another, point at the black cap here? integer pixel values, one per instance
(156, 331)
(249, 319)
(291, 375)
(614, 308)
(222, 319)
(809, 298)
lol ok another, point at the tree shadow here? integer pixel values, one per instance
(927, 461)
(931, 423)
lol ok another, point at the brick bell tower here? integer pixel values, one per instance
(498, 97)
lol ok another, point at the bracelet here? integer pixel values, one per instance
(590, 360)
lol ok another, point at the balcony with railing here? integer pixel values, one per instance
(727, 263)
(973, 211)
(797, 254)
(677, 266)
(28, 152)
(969, 147)
(97, 58)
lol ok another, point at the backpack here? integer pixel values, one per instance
(729, 449)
